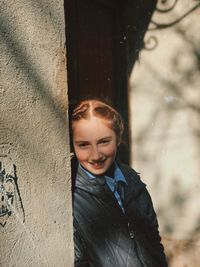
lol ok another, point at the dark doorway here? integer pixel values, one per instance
(96, 49)
(102, 40)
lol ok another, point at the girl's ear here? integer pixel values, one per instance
(72, 155)
(119, 142)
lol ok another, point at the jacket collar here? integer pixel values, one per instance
(99, 188)
(135, 185)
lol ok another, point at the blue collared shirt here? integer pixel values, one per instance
(112, 183)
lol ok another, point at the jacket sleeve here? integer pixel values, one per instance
(80, 257)
(151, 228)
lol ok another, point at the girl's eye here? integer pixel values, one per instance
(83, 145)
(104, 142)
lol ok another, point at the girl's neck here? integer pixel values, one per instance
(110, 171)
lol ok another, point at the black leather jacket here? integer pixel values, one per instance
(106, 237)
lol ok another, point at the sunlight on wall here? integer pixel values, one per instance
(164, 103)
(36, 218)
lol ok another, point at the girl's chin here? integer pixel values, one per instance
(105, 166)
(97, 169)
(101, 169)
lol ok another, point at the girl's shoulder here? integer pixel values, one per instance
(129, 172)
(132, 177)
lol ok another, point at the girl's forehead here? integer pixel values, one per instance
(94, 125)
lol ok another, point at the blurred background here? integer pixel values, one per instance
(165, 126)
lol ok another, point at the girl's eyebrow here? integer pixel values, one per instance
(99, 140)
(80, 141)
(106, 137)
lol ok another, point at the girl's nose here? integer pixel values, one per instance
(95, 154)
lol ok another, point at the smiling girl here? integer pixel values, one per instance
(115, 224)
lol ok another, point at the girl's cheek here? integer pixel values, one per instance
(80, 154)
(110, 150)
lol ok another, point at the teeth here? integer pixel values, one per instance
(98, 163)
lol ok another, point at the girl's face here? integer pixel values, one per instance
(95, 144)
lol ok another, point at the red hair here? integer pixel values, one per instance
(100, 109)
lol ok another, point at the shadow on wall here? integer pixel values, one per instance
(32, 70)
(166, 135)
(178, 96)
(23, 61)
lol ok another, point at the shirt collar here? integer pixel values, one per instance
(118, 175)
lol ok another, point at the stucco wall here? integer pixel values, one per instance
(35, 201)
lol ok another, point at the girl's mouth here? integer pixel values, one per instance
(98, 164)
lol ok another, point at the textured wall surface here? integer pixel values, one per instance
(35, 199)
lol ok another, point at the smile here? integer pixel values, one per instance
(98, 164)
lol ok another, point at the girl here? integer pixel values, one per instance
(115, 224)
